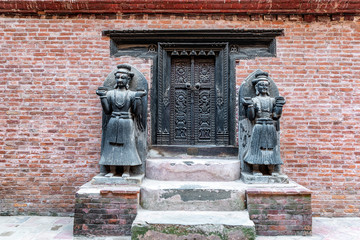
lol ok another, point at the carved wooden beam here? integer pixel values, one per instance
(313, 7)
(233, 36)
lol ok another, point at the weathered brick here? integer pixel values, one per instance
(105, 218)
(284, 210)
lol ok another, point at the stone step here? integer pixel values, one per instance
(193, 169)
(192, 196)
(199, 225)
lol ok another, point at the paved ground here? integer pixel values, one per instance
(47, 228)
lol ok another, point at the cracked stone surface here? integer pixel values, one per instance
(181, 225)
(192, 196)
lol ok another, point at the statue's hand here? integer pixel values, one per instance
(247, 101)
(280, 101)
(141, 93)
(101, 91)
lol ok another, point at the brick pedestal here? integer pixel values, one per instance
(280, 210)
(102, 210)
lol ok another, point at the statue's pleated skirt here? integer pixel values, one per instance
(120, 147)
(264, 147)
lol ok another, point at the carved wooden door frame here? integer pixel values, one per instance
(224, 105)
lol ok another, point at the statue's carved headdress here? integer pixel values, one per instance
(124, 68)
(262, 76)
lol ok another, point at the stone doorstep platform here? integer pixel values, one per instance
(200, 225)
(192, 196)
(276, 209)
(193, 169)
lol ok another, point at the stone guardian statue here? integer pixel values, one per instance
(123, 100)
(260, 108)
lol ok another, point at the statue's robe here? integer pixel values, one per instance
(119, 148)
(264, 148)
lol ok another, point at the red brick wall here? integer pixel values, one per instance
(50, 117)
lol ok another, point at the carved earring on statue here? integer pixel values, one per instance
(127, 86)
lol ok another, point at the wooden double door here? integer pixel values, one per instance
(192, 99)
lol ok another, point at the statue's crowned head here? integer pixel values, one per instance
(123, 75)
(261, 83)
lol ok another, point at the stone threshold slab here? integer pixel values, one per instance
(193, 169)
(231, 218)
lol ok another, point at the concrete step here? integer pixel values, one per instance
(193, 169)
(199, 225)
(192, 196)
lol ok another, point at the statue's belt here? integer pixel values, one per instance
(265, 121)
(124, 115)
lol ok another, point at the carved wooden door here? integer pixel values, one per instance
(192, 101)
(192, 96)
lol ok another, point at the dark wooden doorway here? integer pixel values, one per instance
(192, 100)
(193, 95)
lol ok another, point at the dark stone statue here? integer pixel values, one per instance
(124, 103)
(260, 108)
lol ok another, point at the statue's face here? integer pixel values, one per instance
(121, 79)
(263, 87)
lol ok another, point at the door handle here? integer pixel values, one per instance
(197, 86)
(188, 86)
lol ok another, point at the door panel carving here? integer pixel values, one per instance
(193, 94)
(205, 94)
(192, 118)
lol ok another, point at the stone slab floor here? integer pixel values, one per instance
(47, 228)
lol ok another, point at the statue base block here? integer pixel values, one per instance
(106, 209)
(278, 209)
(117, 180)
(249, 178)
